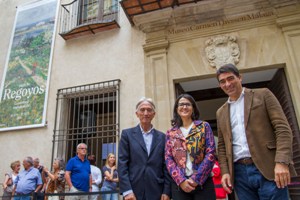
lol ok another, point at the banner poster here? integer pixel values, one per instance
(24, 88)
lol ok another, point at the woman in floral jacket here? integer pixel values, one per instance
(189, 152)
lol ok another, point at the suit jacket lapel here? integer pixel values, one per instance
(154, 141)
(247, 106)
(137, 134)
(226, 118)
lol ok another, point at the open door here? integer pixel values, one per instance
(279, 86)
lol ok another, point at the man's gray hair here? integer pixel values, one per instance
(144, 99)
(78, 146)
(29, 160)
(36, 160)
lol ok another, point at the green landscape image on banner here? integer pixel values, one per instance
(25, 80)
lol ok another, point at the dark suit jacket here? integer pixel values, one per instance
(268, 133)
(145, 175)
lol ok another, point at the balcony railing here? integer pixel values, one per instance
(83, 17)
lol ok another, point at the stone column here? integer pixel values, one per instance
(157, 81)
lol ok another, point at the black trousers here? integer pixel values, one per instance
(206, 192)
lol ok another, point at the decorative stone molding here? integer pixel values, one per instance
(153, 21)
(156, 45)
(221, 50)
(288, 17)
(157, 82)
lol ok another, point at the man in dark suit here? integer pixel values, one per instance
(141, 164)
(255, 140)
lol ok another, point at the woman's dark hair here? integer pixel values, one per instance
(176, 121)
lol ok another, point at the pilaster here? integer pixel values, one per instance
(156, 80)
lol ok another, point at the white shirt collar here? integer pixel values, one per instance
(147, 131)
(242, 94)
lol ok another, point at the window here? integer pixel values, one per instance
(89, 10)
(110, 7)
(88, 114)
(84, 17)
(96, 10)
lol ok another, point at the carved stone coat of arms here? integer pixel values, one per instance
(221, 50)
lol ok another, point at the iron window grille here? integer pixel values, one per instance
(87, 114)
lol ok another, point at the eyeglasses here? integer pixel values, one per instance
(143, 110)
(184, 104)
(83, 148)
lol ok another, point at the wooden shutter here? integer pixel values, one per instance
(279, 86)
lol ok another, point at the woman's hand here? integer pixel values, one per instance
(45, 169)
(186, 186)
(192, 182)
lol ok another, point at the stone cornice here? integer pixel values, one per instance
(237, 23)
(207, 18)
(204, 12)
(157, 45)
(288, 16)
(153, 21)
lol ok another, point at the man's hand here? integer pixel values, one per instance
(282, 175)
(130, 196)
(226, 183)
(164, 197)
(186, 186)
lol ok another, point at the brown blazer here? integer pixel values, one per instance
(268, 133)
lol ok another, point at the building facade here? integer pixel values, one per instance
(157, 49)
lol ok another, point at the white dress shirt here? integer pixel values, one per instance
(148, 136)
(239, 140)
(97, 177)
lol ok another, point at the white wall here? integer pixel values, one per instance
(113, 54)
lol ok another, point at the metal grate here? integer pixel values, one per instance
(88, 114)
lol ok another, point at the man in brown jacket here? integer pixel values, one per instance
(255, 140)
